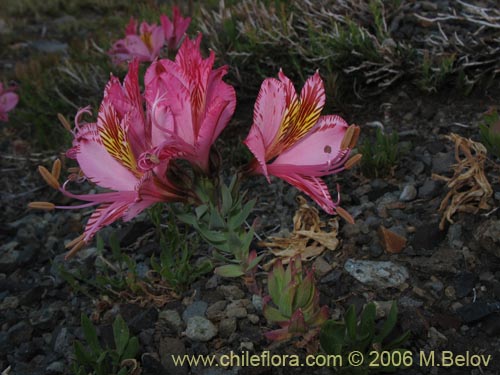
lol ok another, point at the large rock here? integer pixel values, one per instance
(376, 274)
(488, 236)
(200, 329)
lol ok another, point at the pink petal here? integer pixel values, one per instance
(106, 214)
(96, 163)
(131, 28)
(8, 100)
(320, 147)
(269, 110)
(314, 187)
(255, 143)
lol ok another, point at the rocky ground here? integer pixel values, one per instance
(446, 282)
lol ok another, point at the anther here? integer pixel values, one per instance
(353, 161)
(344, 215)
(74, 250)
(42, 205)
(56, 169)
(64, 122)
(48, 177)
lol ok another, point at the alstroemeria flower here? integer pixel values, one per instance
(117, 152)
(290, 139)
(145, 46)
(8, 101)
(194, 95)
(174, 30)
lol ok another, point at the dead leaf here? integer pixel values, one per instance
(308, 239)
(469, 187)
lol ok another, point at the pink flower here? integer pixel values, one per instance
(174, 30)
(117, 152)
(8, 100)
(290, 139)
(145, 46)
(194, 95)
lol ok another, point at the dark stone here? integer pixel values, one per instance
(331, 277)
(463, 284)
(376, 250)
(5, 344)
(491, 325)
(442, 163)
(20, 332)
(26, 351)
(430, 189)
(138, 319)
(427, 236)
(477, 311)
(167, 347)
(197, 308)
(446, 321)
(152, 366)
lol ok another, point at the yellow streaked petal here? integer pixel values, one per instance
(114, 139)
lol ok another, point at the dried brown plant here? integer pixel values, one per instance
(469, 188)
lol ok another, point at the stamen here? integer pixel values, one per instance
(74, 170)
(64, 122)
(56, 169)
(346, 141)
(48, 177)
(42, 205)
(353, 161)
(74, 241)
(355, 137)
(74, 250)
(344, 215)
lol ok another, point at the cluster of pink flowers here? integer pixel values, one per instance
(8, 101)
(132, 147)
(148, 43)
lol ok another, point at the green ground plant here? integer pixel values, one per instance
(490, 132)
(295, 303)
(220, 221)
(175, 264)
(362, 335)
(379, 156)
(93, 359)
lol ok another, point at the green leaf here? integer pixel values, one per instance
(131, 349)
(90, 335)
(115, 246)
(229, 270)
(204, 268)
(188, 218)
(273, 315)
(82, 356)
(331, 337)
(398, 342)
(237, 220)
(388, 325)
(227, 199)
(121, 334)
(216, 221)
(254, 262)
(212, 237)
(350, 321)
(200, 211)
(275, 281)
(366, 326)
